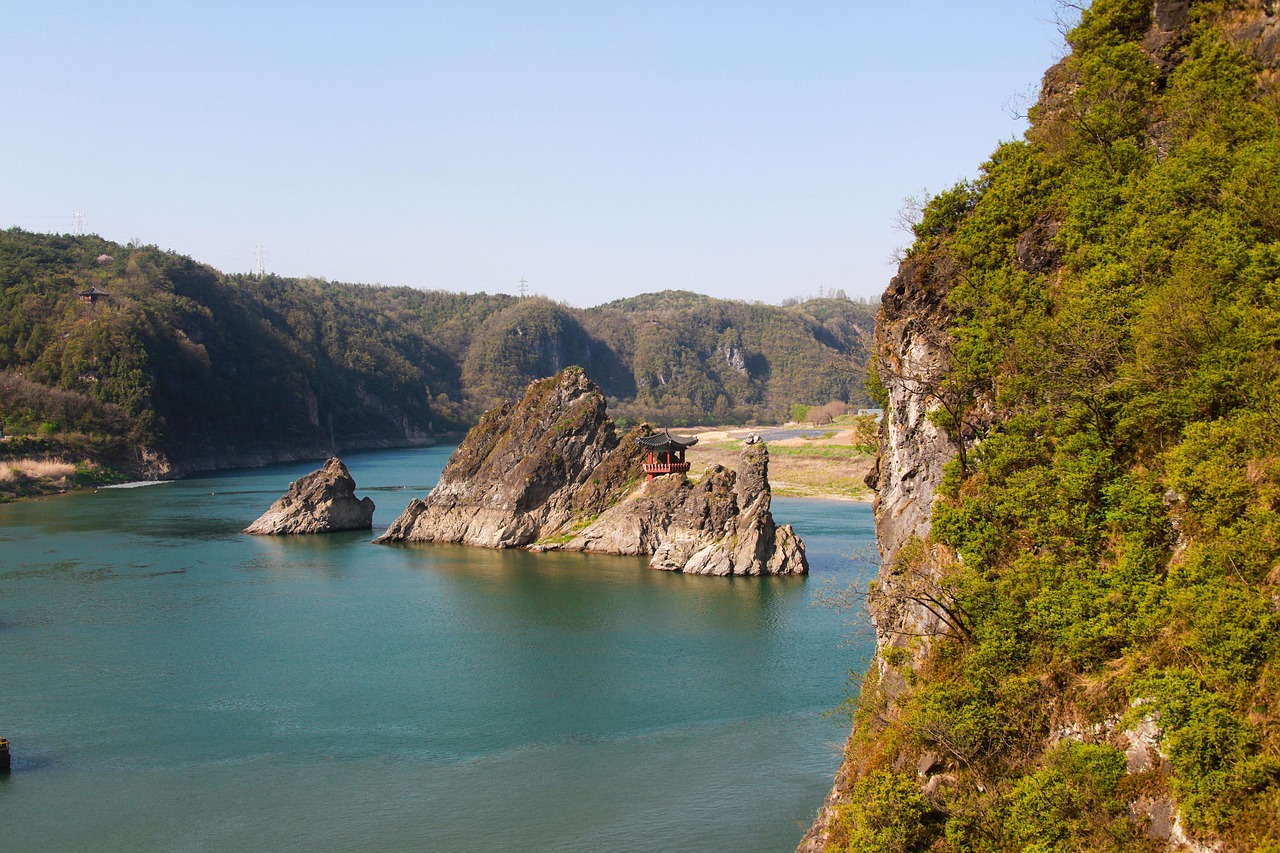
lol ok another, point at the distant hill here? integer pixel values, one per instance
(179, 367)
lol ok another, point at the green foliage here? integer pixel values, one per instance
(945, 210)
(1071, 803)
(887, 814)
(692, 358)
(181, 361)
(1112, 539)
(1107, 23)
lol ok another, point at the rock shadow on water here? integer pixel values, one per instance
(581, 588)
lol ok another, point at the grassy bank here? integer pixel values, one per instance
(830, 464)
(32, 477)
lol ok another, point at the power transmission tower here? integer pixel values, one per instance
(262, 260)
(78, 223)
(524, 287)
(820, 291)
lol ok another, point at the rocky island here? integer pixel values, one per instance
(552, 473)
(324, 501)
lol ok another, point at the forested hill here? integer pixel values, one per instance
(1079, 606)
(179, 367)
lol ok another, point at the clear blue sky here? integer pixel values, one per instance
(599, 149)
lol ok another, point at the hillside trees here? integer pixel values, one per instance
(208, 367)
(1116, 529)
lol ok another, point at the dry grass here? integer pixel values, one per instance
(797, 469)
(35, 469)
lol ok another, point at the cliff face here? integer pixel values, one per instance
(551, 473)
(911, 329)
(1071, 484)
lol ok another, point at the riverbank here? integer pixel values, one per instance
(805, 461)
(32, 477)
(32, 467)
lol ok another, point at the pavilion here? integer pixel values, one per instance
(666, 453)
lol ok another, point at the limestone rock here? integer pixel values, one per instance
(720, 526)
(525, 472)
(909, 333)
(724, 527)
(324, 501)
(551, 473)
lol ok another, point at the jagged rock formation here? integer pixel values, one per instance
(324, 501)
(526, 471)
(910, 331)
(552, 473)
(720, 526)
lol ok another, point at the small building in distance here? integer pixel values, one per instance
(92, 295)
(666, 454)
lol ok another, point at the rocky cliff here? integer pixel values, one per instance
(911, 352)
(719, 526)
(551, 472)
(324, 501)
(1058, 521)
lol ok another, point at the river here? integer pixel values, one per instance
(171, 684)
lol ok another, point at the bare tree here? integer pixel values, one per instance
(914, 580)
(1066, 15)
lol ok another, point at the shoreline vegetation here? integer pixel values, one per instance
(33, 477)
(149, 363)
(827, 461)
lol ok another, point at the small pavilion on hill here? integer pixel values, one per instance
(92, 295)
(666, 453)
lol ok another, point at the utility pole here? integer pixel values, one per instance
(78, 223)
(523, 288)
(262, 260)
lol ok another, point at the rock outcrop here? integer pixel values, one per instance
(911, 339)
(324, 501)
(719, 526)
(911, 334)
(552, 473)
(526, 472)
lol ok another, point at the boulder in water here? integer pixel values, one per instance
(324, 501)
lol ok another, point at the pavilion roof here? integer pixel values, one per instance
(666, 441)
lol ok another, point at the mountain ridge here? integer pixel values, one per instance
(179, 367)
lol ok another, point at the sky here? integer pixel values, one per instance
(597, 149)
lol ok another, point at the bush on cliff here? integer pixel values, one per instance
(1117, 528)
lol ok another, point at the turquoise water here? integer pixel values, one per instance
(171, 684)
